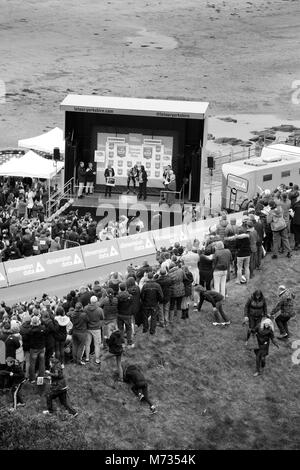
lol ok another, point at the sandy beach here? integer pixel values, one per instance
(241, 56)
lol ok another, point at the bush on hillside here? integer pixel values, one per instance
(23, 432)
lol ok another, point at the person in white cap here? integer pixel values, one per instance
(264, 333)
(286, 306)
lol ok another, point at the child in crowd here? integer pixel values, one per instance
(264, 334)
(115, 349)
(58, 388)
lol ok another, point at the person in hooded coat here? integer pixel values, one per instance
(188, 287)
(51, 329)
(254, 311)
(79, 332)
(177, 291)
(64, 325)
(134, 290)
(285, 305)
(264, 334)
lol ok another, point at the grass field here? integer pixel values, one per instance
(201, 378)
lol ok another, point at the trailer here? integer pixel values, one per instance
(243, 179)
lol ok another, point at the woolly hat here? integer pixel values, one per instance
(35, 321)
(93, 299)
(281, 290)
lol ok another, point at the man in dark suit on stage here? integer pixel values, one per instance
(108, 173)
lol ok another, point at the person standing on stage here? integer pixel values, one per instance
(90, 177)
(142, 178)
(109, 173)
(81, 179)
(132, 175)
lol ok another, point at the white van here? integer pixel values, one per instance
(243, 179)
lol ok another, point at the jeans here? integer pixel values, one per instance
(205, 278)
(151, 312)
(282, 323)
(49, 352)
(173, 301)
(130, 178)
(253, 323)
(60, 350)
(89, 187)
(163, 313)
(243, 262)
(27, 363)
(37, 354)
(220, 313)
(142, 190)
(259, 256)
(142, 387)
(63, 398)
(253, 263)
(125, 320)
(281, 237)
(80, 189)
(260, 358)
(109, 355)
(108, 190)
(78, 344)
(220, 281)
(96, 336)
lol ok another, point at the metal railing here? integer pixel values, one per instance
(68, 244)
(53, 204)
(163, 196)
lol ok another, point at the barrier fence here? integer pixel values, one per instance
(106, 254)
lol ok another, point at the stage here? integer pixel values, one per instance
(128, 204)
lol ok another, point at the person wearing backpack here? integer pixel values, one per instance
(279, 230)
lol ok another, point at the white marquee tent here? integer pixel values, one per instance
(31, 165)
(45, 142)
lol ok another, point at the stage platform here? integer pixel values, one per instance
(128, 204)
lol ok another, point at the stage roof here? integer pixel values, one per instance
(135, 106)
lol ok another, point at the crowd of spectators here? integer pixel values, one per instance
(155, 296)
